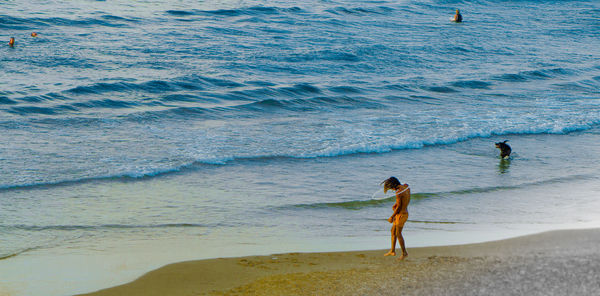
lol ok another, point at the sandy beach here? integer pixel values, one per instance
(239, 147)
(565, 262)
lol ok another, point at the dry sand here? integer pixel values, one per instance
(552, 263)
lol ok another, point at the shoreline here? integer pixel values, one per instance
(554, 262)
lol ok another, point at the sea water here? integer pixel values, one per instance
(136, 134)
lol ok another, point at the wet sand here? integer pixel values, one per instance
(565, 262)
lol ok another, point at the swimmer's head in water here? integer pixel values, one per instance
(34, 34)
(11, 42)
(390, 183)
(457, 12)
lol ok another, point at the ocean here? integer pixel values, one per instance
(134, 134)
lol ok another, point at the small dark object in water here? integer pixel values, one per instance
(504, 149)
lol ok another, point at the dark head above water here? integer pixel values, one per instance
(390, 183)
(504, 149)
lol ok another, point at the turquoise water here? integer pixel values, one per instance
(134, 135)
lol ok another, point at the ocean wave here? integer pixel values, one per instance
(6, 101)
(213, 95)
(440, 89)
(360, 204)
(106, 103)
(34, 110)
(523, 76)
(66, 228)
(174, 94)
(511, 78)
(467, 3)
(131, 96)
(16, 253)
(245, 105)
(43, 98)
(186, 98)
(153, 86)
(365, 203)
(338, 152)
(17, 23)
(124, 177)
(540, 74)
(346, 89)
(427, 100)
(193, 83)
(380, 10)
(578, 86)
(473, 84)
(309, 104)
(97, 227)
(253, 10)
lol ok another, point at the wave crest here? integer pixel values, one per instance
(360, 204)
(252, 10)
(35, 23)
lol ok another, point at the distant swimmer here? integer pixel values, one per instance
(504, 149)
(400, 214)
(11, 42)
(457, 17)
(34, 34)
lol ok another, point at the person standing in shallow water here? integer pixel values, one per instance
(457, 17)
(400, 214)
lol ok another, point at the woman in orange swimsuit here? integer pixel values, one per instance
(400, 214)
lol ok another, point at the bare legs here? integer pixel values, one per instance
(401, 241)
(392, 251)
(397, 235)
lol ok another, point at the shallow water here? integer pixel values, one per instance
(177, 130)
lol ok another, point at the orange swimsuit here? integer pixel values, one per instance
(401, 217)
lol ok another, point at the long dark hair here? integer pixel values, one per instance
(390, 183)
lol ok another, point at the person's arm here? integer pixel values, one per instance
(398, 206)
(396, 210)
